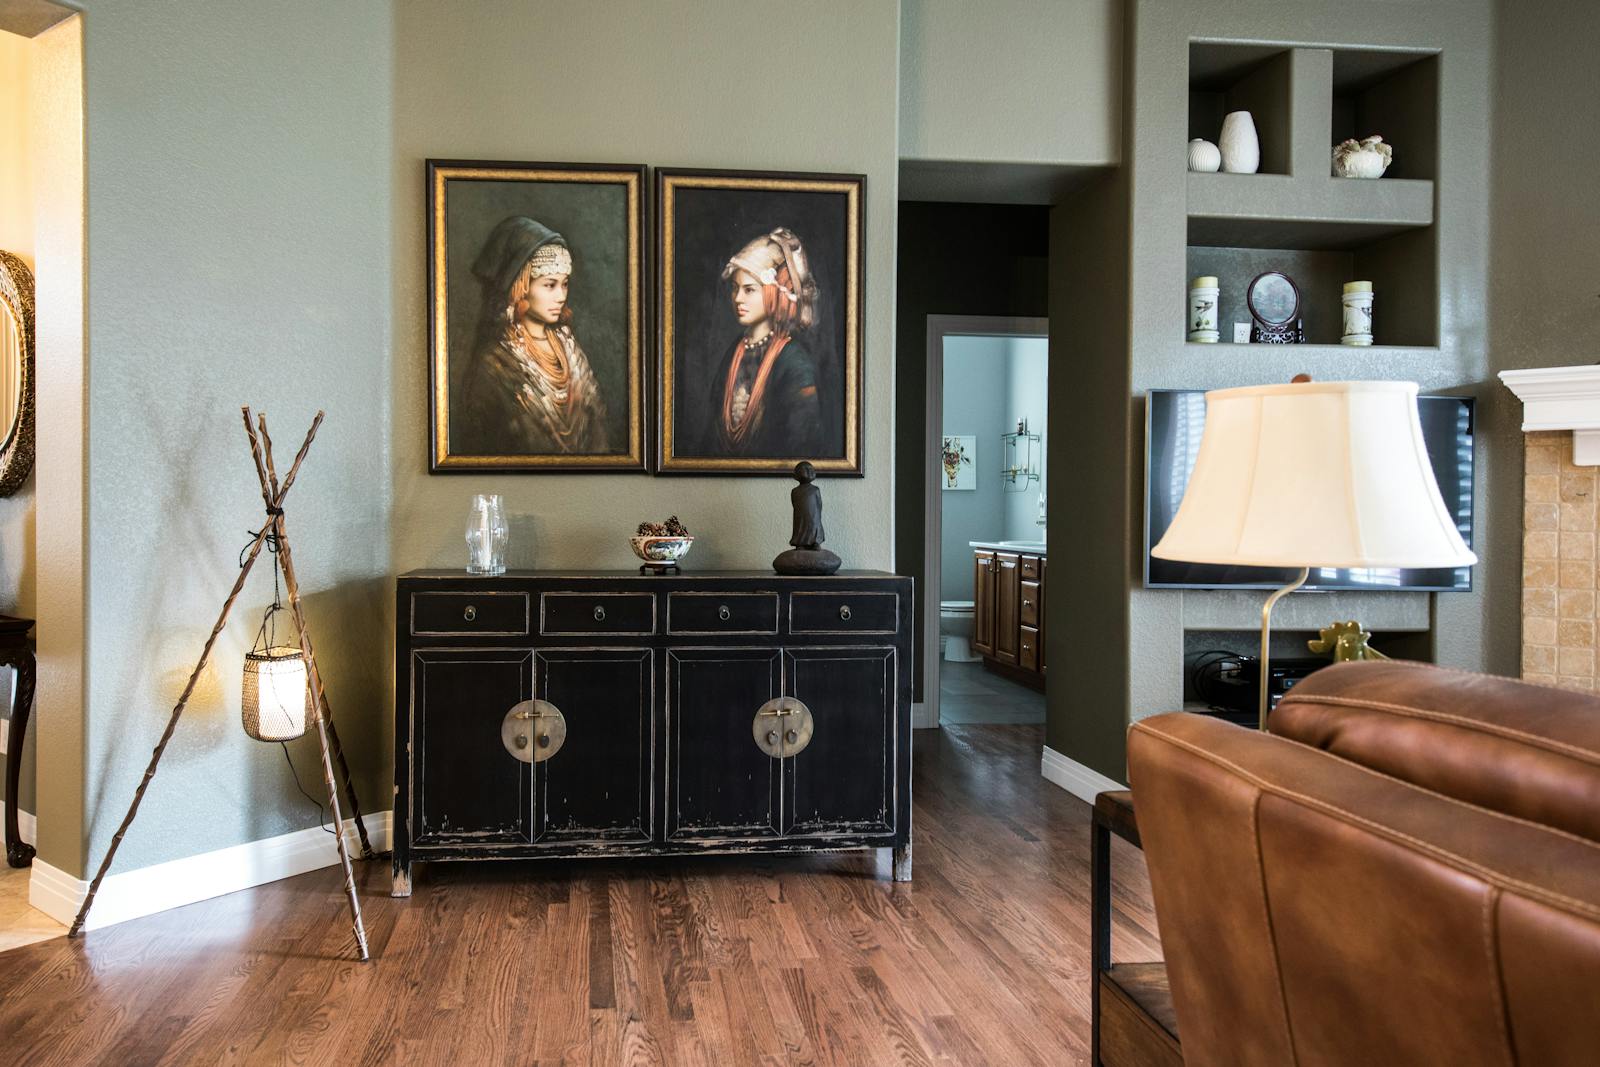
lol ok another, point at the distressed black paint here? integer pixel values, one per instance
(659, 696)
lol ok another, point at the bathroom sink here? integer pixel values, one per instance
(1025, 546)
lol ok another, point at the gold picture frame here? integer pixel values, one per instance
(756, 384)
(506, 393)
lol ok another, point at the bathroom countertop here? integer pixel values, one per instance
(1028, 548)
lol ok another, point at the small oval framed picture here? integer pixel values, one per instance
(535, 316)
(760, 305)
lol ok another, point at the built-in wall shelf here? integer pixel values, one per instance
(1276, 211)
(1294, 216)
(1403, 269)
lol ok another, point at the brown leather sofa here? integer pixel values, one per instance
(1405, 871)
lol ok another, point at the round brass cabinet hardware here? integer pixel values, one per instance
(538, 719)
(782, 727)
(599, 613)
(724, 612)
(844, 612)
(470, 614)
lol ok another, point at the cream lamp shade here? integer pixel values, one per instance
(1314, 474)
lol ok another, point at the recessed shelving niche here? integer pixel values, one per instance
(1253, 78)
(1296, 217)
(1396, 95)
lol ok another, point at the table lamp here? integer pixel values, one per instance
(1312, 474)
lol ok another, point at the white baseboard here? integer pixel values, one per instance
(1085, 783)
(163, 886)
(27, 825)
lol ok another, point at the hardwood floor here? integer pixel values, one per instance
(983, 959)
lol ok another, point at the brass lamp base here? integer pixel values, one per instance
(1266, 634)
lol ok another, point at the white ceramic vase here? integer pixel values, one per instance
(1241, 151)
(1204, 156)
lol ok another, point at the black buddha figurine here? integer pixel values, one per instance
(807, 556)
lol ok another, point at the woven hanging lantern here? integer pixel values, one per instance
(277, 698)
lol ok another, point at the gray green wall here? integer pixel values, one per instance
(238, 172)
(702, 85)
(1010, 81)
(1544, 263)
(255, 220)
(1144, 648)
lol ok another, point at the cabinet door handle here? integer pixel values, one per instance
(549, 730)
(844, 612)
(724, 612)
(599, 613)
(790, 734)
(470, 614)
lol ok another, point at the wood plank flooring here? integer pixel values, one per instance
(983, 959)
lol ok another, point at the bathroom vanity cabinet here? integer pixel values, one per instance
(1008, 611)
(545, 714)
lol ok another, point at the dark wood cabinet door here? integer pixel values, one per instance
(719, 785)
(843, 781)
(1006, 620)
(466, 788)
(983, 602)
(597, 787)
(1044, 591)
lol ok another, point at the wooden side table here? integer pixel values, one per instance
(1133, 1021)
(17, 651)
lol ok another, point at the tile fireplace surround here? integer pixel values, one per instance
(1561, 418)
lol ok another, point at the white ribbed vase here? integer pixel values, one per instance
(1241, 149)
(1203, 156)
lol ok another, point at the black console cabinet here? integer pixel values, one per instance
(544, 714)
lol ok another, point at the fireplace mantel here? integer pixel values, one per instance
(1561, 398)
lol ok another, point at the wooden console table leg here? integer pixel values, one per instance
(902, 862)
(18, 852)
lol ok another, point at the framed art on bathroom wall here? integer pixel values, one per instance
(959, 459)
(759, 282)
(536, 316)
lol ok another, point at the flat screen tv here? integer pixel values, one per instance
(1174, 419)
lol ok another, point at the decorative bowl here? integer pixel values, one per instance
(661, 552)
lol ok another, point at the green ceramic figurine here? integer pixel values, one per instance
(1344, 641)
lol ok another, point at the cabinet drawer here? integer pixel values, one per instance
(446, 614)
(1028, 604)
(722, 613)
(597, 613)
(844, 612)
(1028, 649)
(1030, 568)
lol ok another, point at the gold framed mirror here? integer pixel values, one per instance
(16, 373)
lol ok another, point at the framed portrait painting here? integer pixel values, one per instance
(760, 305)
(535, 316)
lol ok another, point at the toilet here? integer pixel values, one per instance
(955, 631)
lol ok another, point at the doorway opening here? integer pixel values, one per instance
(985, 552)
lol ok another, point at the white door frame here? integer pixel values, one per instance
(926, 714)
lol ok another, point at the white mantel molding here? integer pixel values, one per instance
(1561, 398)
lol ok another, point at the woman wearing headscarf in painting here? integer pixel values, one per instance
(530, 389)
(764, 398)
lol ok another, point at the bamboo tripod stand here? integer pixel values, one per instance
(272, 493)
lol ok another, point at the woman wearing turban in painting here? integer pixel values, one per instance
(764, 398)
(530, 389)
